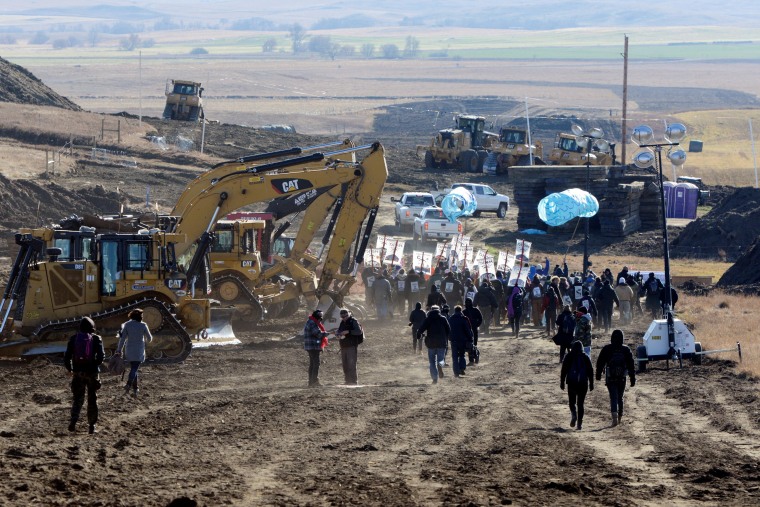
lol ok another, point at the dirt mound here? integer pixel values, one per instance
(727, 231)
(746, 269)
(20, 86)
(26, 203)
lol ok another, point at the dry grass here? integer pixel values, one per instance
(720, 320)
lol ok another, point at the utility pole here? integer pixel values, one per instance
(625, 102)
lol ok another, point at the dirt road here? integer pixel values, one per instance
(237, 426)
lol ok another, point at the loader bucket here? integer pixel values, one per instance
(220, 331)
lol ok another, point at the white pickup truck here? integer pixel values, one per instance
(432, 224)
(486, 197)
(410, 204)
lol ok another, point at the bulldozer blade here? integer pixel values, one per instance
(220, 331)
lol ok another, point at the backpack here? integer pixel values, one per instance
(616, 370)
(568, 325)
(83, 349)
(517, 302)
(577, 374)
(360, 338)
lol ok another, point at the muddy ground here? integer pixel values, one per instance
(238, 426)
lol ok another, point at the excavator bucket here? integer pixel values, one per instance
(220, 331)
(330, 310)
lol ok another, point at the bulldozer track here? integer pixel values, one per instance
(245, 295)
(169, 320)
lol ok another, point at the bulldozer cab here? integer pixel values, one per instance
(567, 143)
(236, 236)
(512, 136)
(475, 125)
(187, 89)
(75, 245)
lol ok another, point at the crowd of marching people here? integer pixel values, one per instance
(449, 309)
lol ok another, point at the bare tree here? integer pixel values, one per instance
(412, 47)
(368, 50)
(298, 35)
(390, 51)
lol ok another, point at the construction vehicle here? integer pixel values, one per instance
(566, 151)
(514, 147)
(183, 101)
(164, 270)
(246, 284)
(463, 147)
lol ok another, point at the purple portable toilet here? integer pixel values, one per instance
(685, 198)
(669, 188)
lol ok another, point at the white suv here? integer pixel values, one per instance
(487, 198)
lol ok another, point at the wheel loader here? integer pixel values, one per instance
(165, 269)
(464, 147)
(183, 101)
(512, 148)
(567, 152)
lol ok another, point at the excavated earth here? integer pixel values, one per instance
(237, 425)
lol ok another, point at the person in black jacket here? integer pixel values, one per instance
(83, 357)
(607, 299)
(416, 318)
(476, 319)
(435, 298)
(578, 373)
(565, 331)
(351, 335)
(616, 360)
(438, 331)
(460, 337)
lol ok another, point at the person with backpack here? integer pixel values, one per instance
(578, 373)
(616, 360)
(133, 337)
(565, 331)
(416, 318)
(536, 294)
(583, 328)
(476, 319)
(82, 359)
(438, 331)
(515, 309)
(351, 335)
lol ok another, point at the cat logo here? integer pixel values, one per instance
(246, 264)
(288, 185)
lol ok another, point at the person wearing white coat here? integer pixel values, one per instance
(133, 337)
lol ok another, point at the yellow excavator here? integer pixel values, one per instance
(165, 270)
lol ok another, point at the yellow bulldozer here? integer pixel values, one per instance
(183, 101)
(463, 147)
(513, 147)
(164, 268)
(567, 151)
